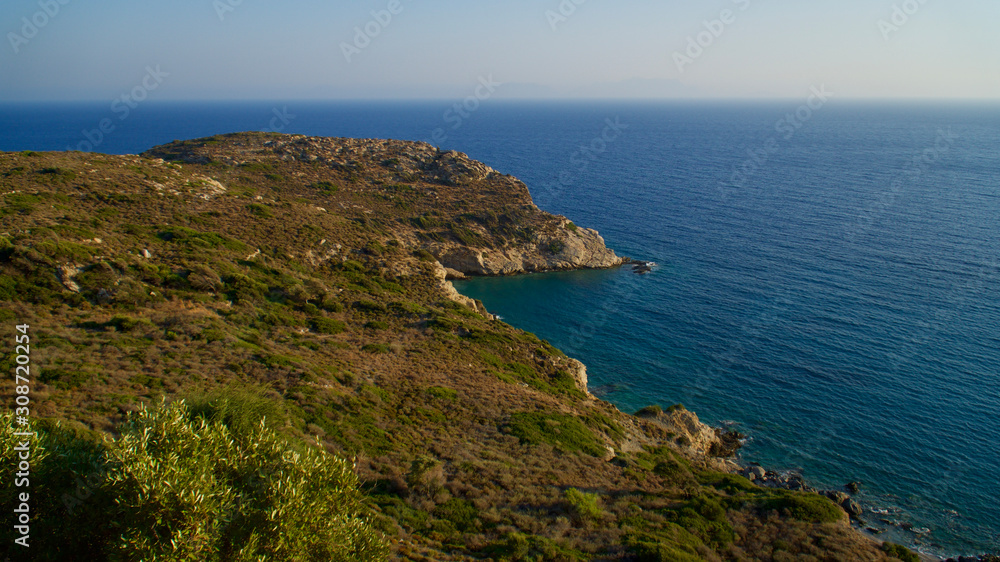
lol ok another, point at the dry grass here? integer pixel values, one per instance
(464, 434)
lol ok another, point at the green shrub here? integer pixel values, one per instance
(730, 483)
(59, 175)
(375, 348)
(705, 517)
(444, 323)
(332, 305)
(649, 411)
(325, 186)
(459, 512)
(147, 381)
(409, 308)
(583, 506)
(514, 546)
(258, 210)
(180, 487)
(20, 203)
(899, 551)
(327, 325)
(276, 360)
(63, 250)
(391, 286)
(424, 255)
(240, 408)
(468, 237)
(561, 430)
(813, 508)
(195, 239)
(65, 379)
(369, 306)
(128, 324)
(377, 325)
(443, 393)
(671, 544)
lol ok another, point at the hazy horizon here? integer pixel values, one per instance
(203, 50)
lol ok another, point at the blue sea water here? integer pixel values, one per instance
(828, 282)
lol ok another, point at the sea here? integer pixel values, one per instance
(827, 276)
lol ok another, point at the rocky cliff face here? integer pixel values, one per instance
(690, 433)
(578, 248)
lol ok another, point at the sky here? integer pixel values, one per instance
(419, 49)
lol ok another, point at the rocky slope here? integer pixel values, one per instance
(315, 272)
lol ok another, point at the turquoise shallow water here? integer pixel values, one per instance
(836, 299)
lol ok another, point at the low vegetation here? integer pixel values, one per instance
(273, 371)
(181, 485)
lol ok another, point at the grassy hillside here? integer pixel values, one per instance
(299, 277)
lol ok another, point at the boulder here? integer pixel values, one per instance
(851, 507)
(454, 274)
(65, 275)
(837, 497)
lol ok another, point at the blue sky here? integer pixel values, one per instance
(260, 49)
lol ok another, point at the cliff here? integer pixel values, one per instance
(312, 273)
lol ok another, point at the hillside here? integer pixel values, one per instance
(308, 276)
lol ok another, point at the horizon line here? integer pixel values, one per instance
(502, 99)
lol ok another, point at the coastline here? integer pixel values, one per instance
(759, 475)
(352, 289)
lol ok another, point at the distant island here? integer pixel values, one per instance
(248, 347)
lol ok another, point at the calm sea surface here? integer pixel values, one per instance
(828, 281)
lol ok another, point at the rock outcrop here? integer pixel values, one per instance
(449, 290)
(689, 432)
(579, 248)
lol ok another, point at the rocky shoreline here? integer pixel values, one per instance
(845, 499)
(725, 443)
